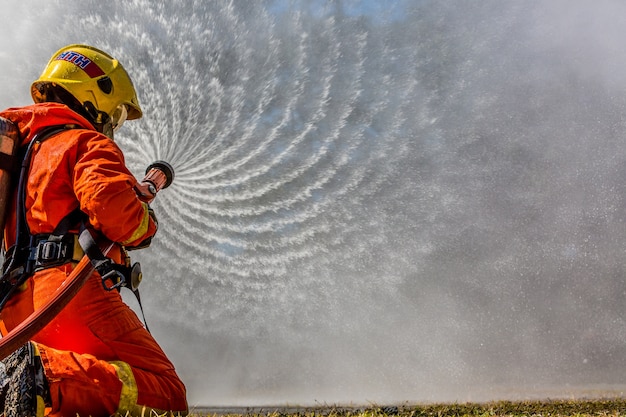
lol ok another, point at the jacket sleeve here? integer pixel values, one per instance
(104, 187)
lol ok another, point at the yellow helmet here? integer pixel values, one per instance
(92, 77)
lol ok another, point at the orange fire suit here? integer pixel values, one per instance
(98, 358)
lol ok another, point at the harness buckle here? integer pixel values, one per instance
(50, 252)
(108, 272)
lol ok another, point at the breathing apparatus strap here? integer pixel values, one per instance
(17, 267)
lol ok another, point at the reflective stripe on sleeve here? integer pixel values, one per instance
(128, 397)
(143, 227)
(128, 406)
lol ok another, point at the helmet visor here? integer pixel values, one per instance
(119, 116)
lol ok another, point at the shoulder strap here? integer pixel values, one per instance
(16, 270)
(22, 231)
(39, 137)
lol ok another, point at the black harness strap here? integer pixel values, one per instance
(16, 271)
(59, 247)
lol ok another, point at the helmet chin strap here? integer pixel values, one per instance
(100, 119)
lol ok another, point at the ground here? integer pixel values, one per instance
(553, 408)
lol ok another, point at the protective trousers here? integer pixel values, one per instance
(94, 365)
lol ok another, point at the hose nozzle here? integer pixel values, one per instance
(159, 175)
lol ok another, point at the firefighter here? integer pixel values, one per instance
(95, 358)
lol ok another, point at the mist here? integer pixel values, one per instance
(395, 201)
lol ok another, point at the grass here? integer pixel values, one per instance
(556, 408)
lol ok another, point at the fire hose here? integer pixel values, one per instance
(159, 175)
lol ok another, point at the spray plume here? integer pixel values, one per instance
(420, 202)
